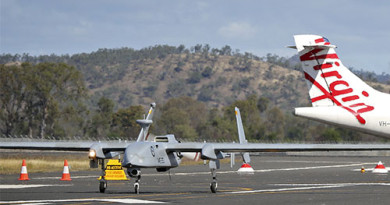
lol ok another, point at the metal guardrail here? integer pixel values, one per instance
(24, 138)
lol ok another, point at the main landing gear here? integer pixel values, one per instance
(102, 186)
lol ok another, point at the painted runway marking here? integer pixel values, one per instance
(285, 189)
(132, 201)
(331, 184)
(298, 187)
(311, 162)
(368, 169)
(126, 201)
(316, 167)
(229, 172)
(20, 186)
(73, 177)
(270, 170)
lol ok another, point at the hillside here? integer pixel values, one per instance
(217, 80)
(195, 89)
(216, 77)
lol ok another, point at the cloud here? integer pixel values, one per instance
(238, 30)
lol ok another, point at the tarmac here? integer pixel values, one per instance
(276, 180)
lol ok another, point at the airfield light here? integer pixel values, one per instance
(92, 154)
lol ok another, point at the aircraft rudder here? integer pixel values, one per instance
(146, 123)
(329, 81)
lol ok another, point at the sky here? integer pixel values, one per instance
(360, 29)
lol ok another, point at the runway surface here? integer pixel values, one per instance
(277, 180)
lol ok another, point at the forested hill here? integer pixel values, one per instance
(195, 90)
(217, 77)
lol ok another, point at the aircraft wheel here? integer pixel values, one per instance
(102, 186)
(213, 187)
(136, 188)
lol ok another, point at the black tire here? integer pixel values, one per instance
(213, 187)
(102, 187)
(136, 188)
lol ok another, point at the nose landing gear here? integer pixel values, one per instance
(135, 172)
(214, 165)
(136, 185)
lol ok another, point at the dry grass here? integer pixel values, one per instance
(13, 166)
(11, 163)
(188, 162)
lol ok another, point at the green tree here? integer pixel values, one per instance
(226, 50)
(218, 127)
(12, 97)
(73, 120)
(275, 124)
(176, 88)
(294, 134)
(205, 94)
(37, 94)
(194, 77)
(330, 135)
(53, 83)
(101, 121)
(349, 135)
(262, 104)
(183, 116)
(207, 72)
(124, 121)
(253, 125)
